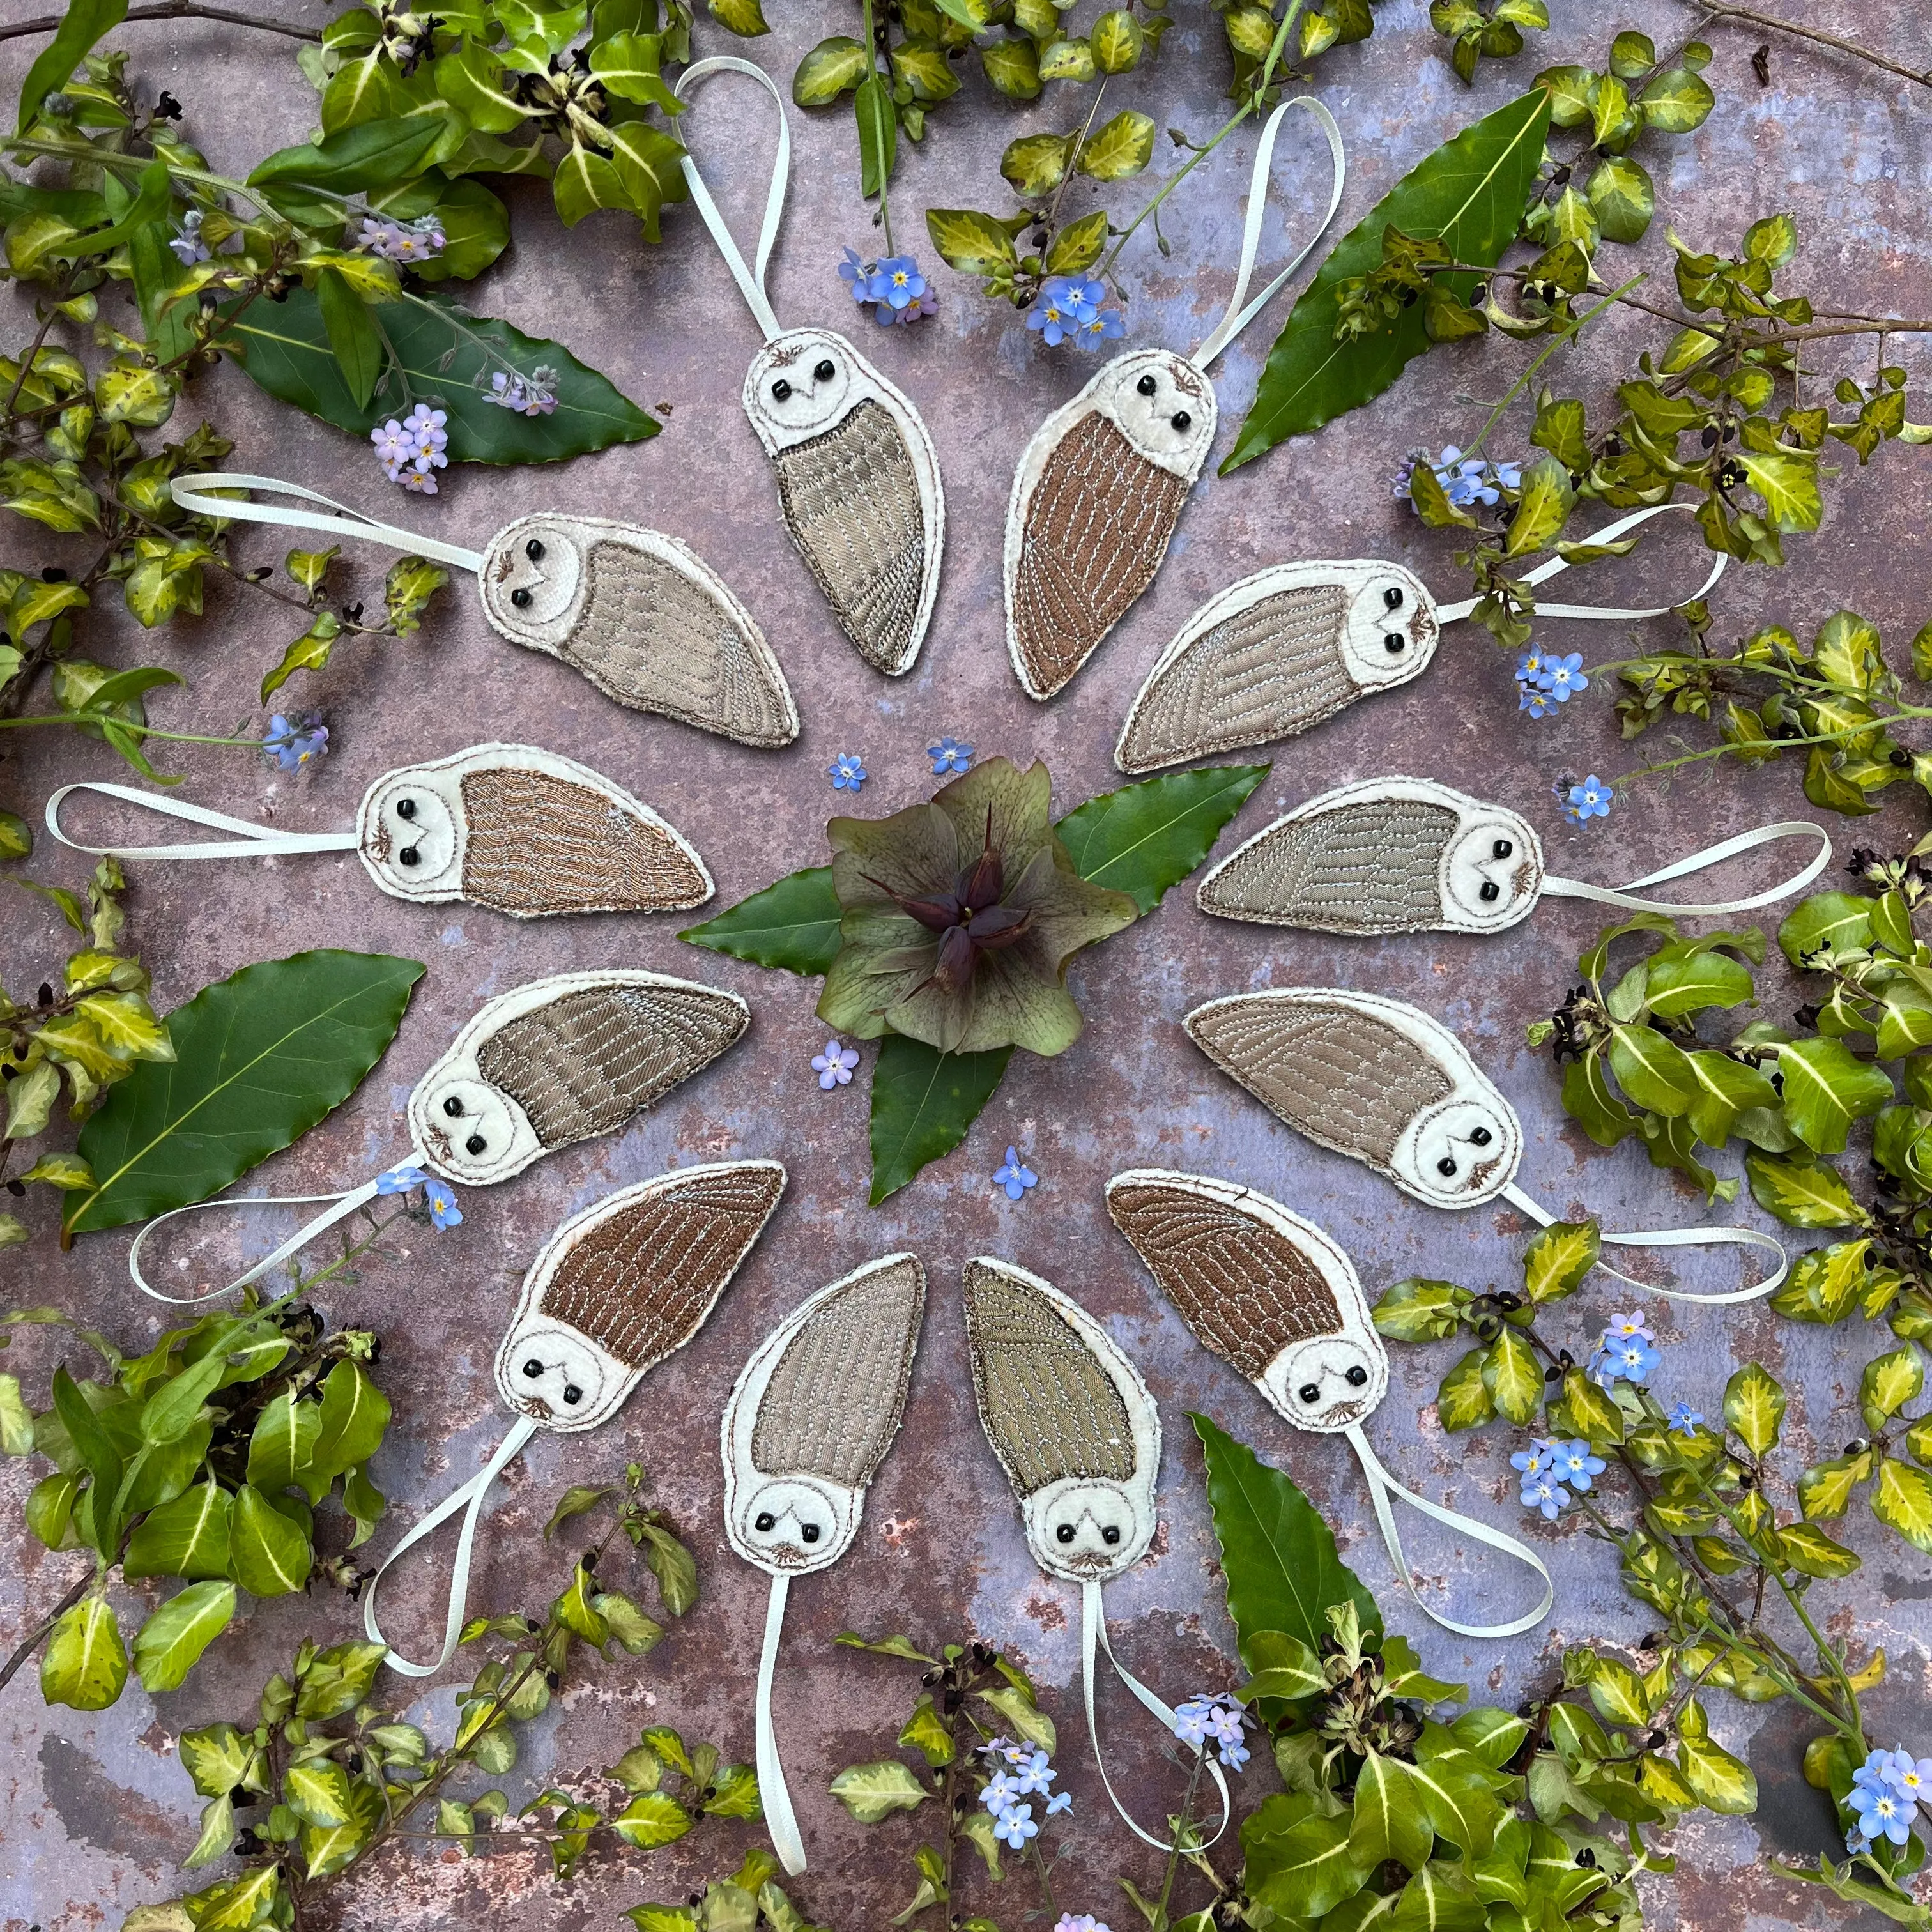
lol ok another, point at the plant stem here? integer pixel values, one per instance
(38, 1635)
(170, 9)
(872, 74)
(1180, 1832)
(1045, 1878)
(1722, 9)
(136, 731)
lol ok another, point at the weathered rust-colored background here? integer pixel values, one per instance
(95, 1811)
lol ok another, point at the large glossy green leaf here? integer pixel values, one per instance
(923, 1102)
(441, 349)
(1826, 1087)
(187, 1537)
(259, 1058)
(1145, 838)
(792, 924)
(167, 1646)
(85, 22)
(1470, 193)
(267, 1554)
(1283, 1571)
(370, 155)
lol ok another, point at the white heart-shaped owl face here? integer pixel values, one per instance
(1391, 628)
(799, 385)
(1163, 406)
(1463, 1151)
(1491, 870)
(533, 581)
(793, 1523)
(412, 833)
(559, 1377)
(1087, 1529)
(475, 1132)
(1328, 1382)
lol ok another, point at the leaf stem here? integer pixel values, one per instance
(39, 1634)
(1181, 1825)
(1722, 9)
(170, 9)
(132, 729)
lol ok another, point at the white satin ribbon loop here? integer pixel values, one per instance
(1454, 613)
(349, 523)
(1237, 317)
(251, 842)
(340, 1204)
(1382, 1485)
(780, 1821)
(751, 280)
(1713, 855)
(1677, 1237)
(1093, 1641)
(469, 1499)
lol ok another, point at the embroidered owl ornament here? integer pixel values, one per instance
(1078, 1435)
(1408, 855)
(615, 1290)
(1294, 644)
(1279, 1301)
(859, 487)
(1387, 1085)
(558, 1060)
(1102, 484)
(640, 614)
(509, 827)
(808, 1425)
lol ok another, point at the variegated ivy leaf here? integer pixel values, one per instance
(1754, 1406)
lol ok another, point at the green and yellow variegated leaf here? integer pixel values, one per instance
(1556, 1261)
(1901, 1499)
(1754, 1408)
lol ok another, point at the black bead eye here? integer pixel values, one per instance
(534, 550)
(1501, 849)
(765, 1522)
(1358, 1376)
(476, 1144)
(1064, 1534)
(781, 389)
(453, 1107)
(1180, 419)
(405, 808)
(824, 373)
(1394, 642)
(1446, 1166)
(1480, 1136)
(1491, 891)
(520, 597)
(1310, 1392)
(572, 1394)
(409, 855)
(1110, 1535)
(810, 1531)
(1147, 385)
(1392, 597)
(533, 1368)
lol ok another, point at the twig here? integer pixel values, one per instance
(31, 1643)
(1722, 9)
(169, 10)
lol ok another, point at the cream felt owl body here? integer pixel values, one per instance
(523, 832)
(1096, 496)
(1373, 1079)
(644, 618)
(562, 1060)
(1387, 855)
(1276, 653)
(1069, 1417)
(1268, 1291)
(814, 1413)
(859, 488)
(625, 1283)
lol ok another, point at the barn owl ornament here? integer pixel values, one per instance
(1280, 1302)
(808, 1425)
(614, 1290)
(509, 827)
(859, 487)
(1078, 1435)
(639, 614)
(1102, 484)
(1408, 855)
(1294, 644)
(1387, 1085)
(556, 1061)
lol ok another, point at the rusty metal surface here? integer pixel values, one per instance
(95, 1810)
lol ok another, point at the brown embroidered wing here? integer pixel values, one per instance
(641, 1282)
(1267, 671)
(655, 640)
(583, 1064)
(1050, 1408)
(851, 500)
(536, 843)
(1342, 1077)
(832, 1406)
(1244, 1288)
(1372, 867)
(1097, 526)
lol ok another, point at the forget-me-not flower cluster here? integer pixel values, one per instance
(1072, 308)
(410, 452)
(897, 291)
(531, 395)
(1625, 1354)
(1465, 479)
(441, 1197)
(402, 240)
(1887, 1790)
(1021, 1773)
(1550, 1469)
(1545, 679)
(1216, 1720)
(293, 746)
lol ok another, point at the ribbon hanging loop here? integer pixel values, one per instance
(251, 841)
(187, 491)
(751, 279)
(780, 1821)
(1625, 896)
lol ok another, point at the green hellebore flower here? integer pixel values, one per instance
(960, 916)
